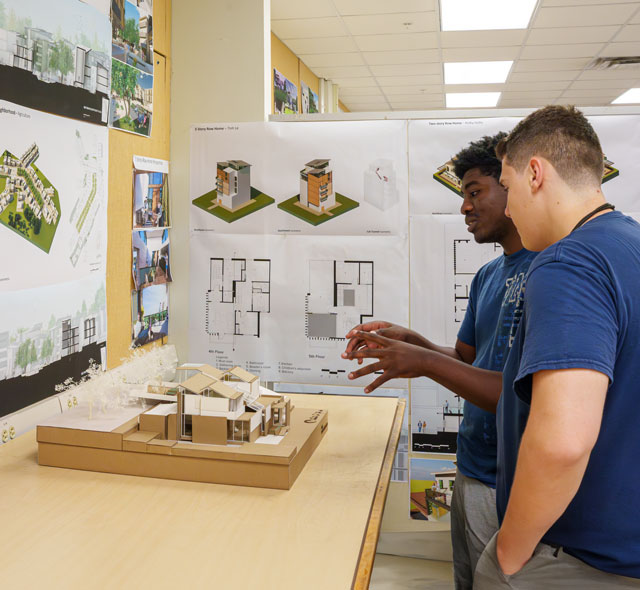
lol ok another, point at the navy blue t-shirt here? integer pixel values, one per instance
(582, 310)
(493, 314)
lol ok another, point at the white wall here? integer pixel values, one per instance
(221, 64)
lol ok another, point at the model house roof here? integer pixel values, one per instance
(211, 371)
(243, 375)
(234, 164)
(198, 383)
(318, 163)
(225, 391)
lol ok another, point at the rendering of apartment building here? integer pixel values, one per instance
(316, 186)
(233, 183)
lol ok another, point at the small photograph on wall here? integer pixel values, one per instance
(132, 33)
(431, 489)
(150, 314)
(285, 95)
(151, 258)
(131, 104)
(150, 193)
(310, 102)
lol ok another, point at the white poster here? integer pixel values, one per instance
(53, 233)
(281, 306)
(329, 178)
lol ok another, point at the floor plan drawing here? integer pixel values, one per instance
(239, 293)
(340, 297)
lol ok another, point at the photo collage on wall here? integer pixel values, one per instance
(151, 266)
(131, 101)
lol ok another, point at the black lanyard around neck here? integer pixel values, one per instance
(590, 215)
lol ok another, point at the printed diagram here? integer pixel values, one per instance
(340, 297)
(239, 293)
(88, 204)
(233, 197)
(29, 204)
(317, 201)
(436, 414)
(380, 188)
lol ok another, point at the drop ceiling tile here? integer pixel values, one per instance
(591, 93)
(407, 70)
(392, 24)
(474, 87)
(420, 90)
(540, 77)
(404, 42)
(410, 105)
(374, 107)
(496, 38)
(561, 51)
(546, 85)
(635, 20)
(621, 49)
(533, 94)
(342, 72)
(285, 9)
(628, 33)
(386, 81)
(355, 82)
(550, 65)
(586, 102)
(378, 102)
(327, 45)
(568, 16)
(360, 91)
(597, 84)
(307, 28)
(332, 59)
(456, 54)
(357, 7)
(581, 3)
(522, 103)
(615, 74)
(562, 36)
(376, 58)
(412, 98)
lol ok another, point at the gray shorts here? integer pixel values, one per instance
(549, 568)
(473, 522)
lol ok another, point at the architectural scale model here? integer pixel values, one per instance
(233, 197)
(209, 425)
(317, 201)
(29, 204)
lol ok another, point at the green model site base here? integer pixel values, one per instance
(44, 239)
(206, 201)
(290, 206)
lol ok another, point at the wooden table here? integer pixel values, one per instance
(77, 529)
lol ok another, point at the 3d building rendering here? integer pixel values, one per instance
(317, 201)
(233, 196)
(29, 204)
(209, 425)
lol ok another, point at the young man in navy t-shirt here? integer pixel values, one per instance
(568, 434)
(493, 313)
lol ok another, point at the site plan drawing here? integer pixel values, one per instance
(340, 297)
(239, 293)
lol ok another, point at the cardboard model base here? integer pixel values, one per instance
(114, 443)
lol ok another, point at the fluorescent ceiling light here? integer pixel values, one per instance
(476, 15)
(630, 96)
(477, 72)
(457, 100)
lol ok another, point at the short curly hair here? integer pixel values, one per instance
(480, 154)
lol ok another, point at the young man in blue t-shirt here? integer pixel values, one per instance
(486, 334)
(568, 435)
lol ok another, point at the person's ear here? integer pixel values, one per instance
(536, 171)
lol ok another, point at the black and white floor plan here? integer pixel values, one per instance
(239, 293)
(340, 297)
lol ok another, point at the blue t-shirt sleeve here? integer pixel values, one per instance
(467, 331)
(570, 322)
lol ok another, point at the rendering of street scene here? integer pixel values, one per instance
(132, 32)
(131, 99)
(150, 307)
(150, 200)
(432, 483)
(47, 65)
(285, 95)
(29, 204)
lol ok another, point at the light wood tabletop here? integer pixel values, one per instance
(72, 529)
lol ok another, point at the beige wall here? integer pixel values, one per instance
(221, 63)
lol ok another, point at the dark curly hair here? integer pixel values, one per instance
(480, 154)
